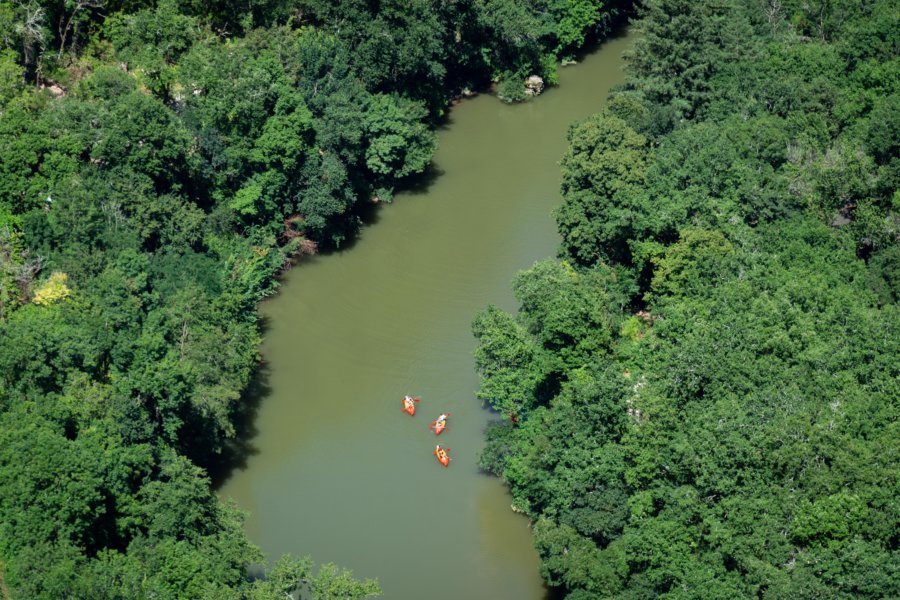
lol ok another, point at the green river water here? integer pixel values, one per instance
(337, 470)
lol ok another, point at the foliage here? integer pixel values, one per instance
(290, 575)
(682, 46)
(508, 361)
(565, 310)
(422, 48)
(398, 142)
(153, 40)
(728, 430)
(52, 290)
(602, 172)
(160, 162)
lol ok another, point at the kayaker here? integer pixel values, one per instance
(443, 455)
(409, 404)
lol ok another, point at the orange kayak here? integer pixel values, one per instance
(442, 455)
(439, 425)
(409, 404)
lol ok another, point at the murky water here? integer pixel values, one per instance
(339, 471)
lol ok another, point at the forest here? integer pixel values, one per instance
(160, 163)
(700, 391)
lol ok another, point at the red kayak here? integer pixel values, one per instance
(443, 455)
(409, 404)
(440, 424)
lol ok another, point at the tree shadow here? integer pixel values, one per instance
(366, 214)
(237, 450)
(618, 29)
(420, 183)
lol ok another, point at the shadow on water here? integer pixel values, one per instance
(367, 214)
(495, 419)
(420, 184)
(237, 450)
(618, 29)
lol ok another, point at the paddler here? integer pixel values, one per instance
(409, 404)
(439, 424)
(442, 455)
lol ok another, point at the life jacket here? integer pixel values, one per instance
(409, 405)
(442, 455)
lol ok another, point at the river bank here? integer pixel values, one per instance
(336, 470)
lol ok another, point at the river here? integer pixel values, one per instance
(337, 470)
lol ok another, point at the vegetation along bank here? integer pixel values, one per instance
(160, 162)
(701, 389)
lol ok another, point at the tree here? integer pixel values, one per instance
(735, 438)
(17, 268)
(290, 575)
(682, 47)
(566, 310)
(399, 144)
(153, 40)
(602, 172)
(508, 361)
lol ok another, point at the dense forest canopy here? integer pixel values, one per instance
(160, 162)
(702, 387)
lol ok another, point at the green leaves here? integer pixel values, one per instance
(690, 263)
(507, 360)
(140, 133)
(399, 144)
(11, 77)
(330, 582)
(737, 438)
(684, 43)
(152, 41)
(572, 562)
(829, 518)
(731, 420)
(575, 21)
(602, 171)
(566, 310)
(246, 198)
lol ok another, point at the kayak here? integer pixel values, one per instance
(442, 455)
(439, 425)
(409, 404)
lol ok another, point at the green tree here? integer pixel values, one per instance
(566, 310)
(736, 439)
(508, 360)
(399, 144)
(602, 171)
(683, 45)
